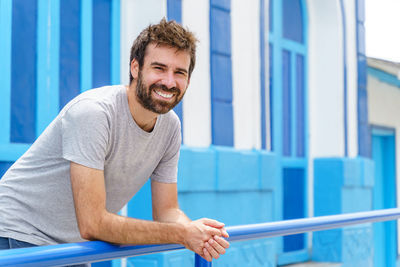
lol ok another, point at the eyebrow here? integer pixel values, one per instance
(155, 63)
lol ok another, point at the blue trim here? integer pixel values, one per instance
(221, 73)
(384, 194)
(279, 44)
(4, 166)
(101, 41)
(48, 63)
(300, 107)
(364, 132)
(115, 41)
(286, 103)
(294, 104)
(344, 78)
(5, 69)
(262, 75)
(70, 39)
(271, 95)
(384, 76)
(23, 71)
(382, 130)
(174, 12)
(292, 21)
(86, 44)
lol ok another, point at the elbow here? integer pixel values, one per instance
(88, 231)
(87, 235)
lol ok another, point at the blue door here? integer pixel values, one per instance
(384, 196)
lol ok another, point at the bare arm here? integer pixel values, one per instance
(165, 203)
(166, 209)
(96, 223)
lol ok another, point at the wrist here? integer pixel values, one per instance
(181, 233)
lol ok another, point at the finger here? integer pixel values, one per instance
(207, 255)
(211, 250)
(213, 223)
(213, 231)
(218, 248)
(222, 242)
(224, 233)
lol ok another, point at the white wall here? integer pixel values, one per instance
(135, 16)
(197, 100)
(325, 79)
(245, 23)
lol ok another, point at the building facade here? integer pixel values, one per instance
(275, 122)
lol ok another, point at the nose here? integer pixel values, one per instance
(169, 80)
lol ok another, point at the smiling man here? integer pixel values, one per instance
(101, 149)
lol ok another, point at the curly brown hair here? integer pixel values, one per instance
(168, 33)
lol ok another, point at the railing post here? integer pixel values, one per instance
(200, 262)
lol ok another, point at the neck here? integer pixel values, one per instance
(144, 118)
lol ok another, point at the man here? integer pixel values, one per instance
(99, 151)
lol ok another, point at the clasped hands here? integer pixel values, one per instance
(206, 238)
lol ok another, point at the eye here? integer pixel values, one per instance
(181, 73)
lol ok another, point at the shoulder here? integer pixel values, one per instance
(92, 103)
(172, 121)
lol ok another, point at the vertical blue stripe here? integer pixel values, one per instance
(174, 12)
(293, 199)
(271, 15)
(286, 102)
(101, 55)
(5, 69)
(70, 39)
(344, 77)
(23, 71)
(277, 127)
(4, 166)
(364, 131)
(48, 62)
(221, 73)
(300, 107)
(86, 44)
(115, 41)
(293, 104)
(271, 94)
(262, 75)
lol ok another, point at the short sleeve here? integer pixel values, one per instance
(85, 134)
(167, 170)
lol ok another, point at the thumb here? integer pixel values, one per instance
(213, 223)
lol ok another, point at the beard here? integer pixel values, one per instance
(145, 98)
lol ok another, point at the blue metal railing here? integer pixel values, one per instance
(75, 253)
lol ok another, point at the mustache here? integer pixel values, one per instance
(165, 88)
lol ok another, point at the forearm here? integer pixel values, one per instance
(123, 230)
(174, 215)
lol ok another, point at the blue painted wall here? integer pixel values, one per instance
(343, 185)
(208, 187)
(384, 195)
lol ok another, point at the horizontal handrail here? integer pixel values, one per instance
(75, 253)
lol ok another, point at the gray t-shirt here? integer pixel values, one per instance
(96, 130)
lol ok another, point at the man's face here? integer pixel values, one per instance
(163, 79)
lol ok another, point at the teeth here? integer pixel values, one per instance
(164, 95)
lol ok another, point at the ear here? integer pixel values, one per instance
(134, 68)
